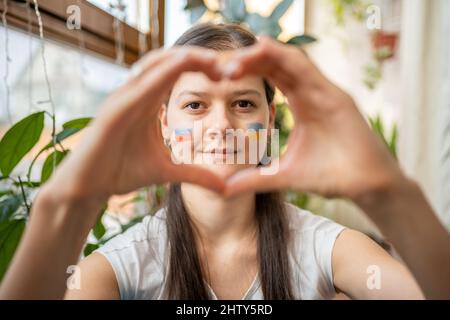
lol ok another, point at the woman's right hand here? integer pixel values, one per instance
(123, 149)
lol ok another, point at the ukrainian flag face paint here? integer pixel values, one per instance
(253, 130)
(183, 134)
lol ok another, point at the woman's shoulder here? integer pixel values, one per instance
(313, 239)
(304, 221)
(150, 229)
(137, 257)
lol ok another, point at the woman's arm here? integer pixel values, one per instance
(405, 218)
(97, 280)
(333, 152)
(53, 240)
(363, 270)
(121, 151)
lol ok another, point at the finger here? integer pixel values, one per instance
(149, 60)
(160, 79)
(145, 94)
(155, 57)
(268, 57)
(195, 174)
(254, 180)
(266, 60)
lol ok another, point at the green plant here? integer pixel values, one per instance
(355, 9)
(373, 71)
(390, 140)
(235, 11)
(15, 204)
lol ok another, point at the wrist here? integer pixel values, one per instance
(380, 202)
(63, 209)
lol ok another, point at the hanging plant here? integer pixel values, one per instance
(355, 9)
(384, 44)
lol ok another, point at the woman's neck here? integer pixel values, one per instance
(219, 220)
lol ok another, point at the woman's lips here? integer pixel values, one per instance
(221, 151)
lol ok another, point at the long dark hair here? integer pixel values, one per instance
(185, 278)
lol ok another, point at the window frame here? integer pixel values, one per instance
(96, 34)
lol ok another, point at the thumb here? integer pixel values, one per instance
(195, 174)
(254, 180)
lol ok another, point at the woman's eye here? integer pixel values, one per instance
(244, 104)
(193, 106)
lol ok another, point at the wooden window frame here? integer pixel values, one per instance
(96, 33)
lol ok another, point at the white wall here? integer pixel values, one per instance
(426, 99)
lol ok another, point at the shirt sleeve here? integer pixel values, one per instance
(315, 237)
(134, 258)
(325, 237)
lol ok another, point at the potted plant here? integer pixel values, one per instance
(384, 42)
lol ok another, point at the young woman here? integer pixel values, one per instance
(217, 237)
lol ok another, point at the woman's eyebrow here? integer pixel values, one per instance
(234, 93)
(244, 92)
(192, 93)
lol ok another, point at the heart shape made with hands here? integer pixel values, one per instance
(331, 149)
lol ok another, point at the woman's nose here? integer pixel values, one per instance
(220, 122)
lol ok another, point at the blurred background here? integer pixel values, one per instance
(59, 59)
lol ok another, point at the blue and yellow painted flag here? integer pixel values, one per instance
(253, 130)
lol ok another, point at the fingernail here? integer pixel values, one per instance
(229, 69)
(210, 55)
(181, 54)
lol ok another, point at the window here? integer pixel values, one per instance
(99, 30)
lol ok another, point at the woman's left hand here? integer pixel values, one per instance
(331, 149)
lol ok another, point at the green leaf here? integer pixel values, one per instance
(393, 141)
(262, 25)
(19, 140)
(10, 234)
(99, 229)
(89, 248)
(69, 128)
(9, 205)
(301, 40)
(197, 9)
(298, 199)
(160, 194)
(6, 192)
(29, 184)
(79, 123)
(47, 168)
(234, 10)
(280, 9)
(134, 221)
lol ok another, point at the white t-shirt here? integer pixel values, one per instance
(139, 257)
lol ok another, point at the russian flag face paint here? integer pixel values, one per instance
(183, 134)
(253, 130)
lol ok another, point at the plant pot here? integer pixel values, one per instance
(385, 41)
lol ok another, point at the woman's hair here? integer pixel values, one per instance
(185, 279)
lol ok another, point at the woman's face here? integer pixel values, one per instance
(206, 115)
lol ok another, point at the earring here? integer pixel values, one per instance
(167, 142)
